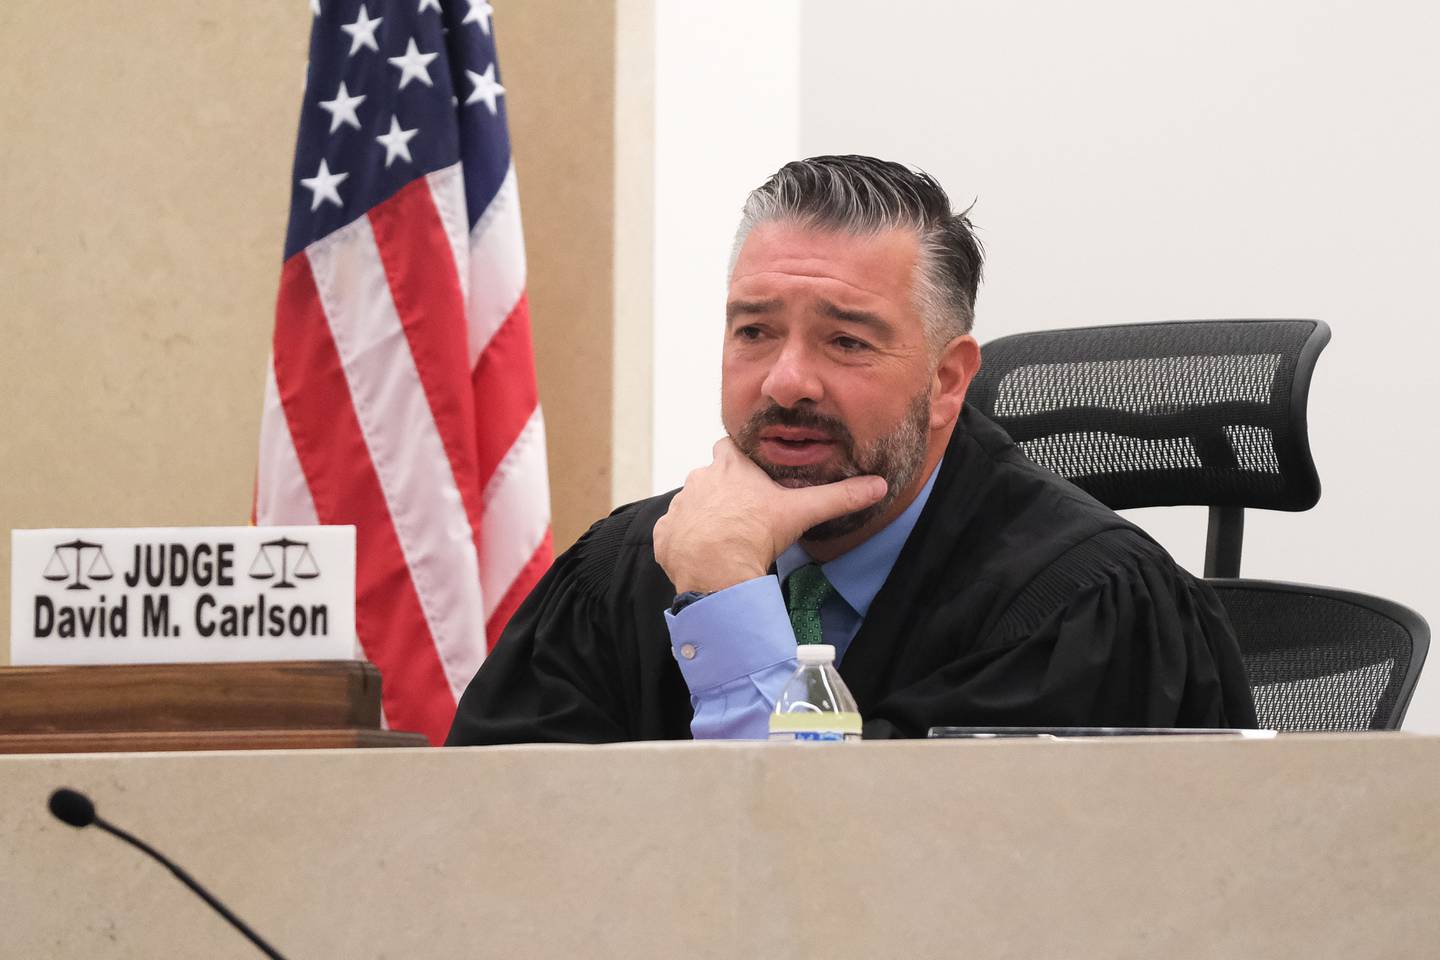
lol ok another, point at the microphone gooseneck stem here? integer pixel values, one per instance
(200, 891)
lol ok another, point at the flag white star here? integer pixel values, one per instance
(342, 108)
(429, 4)
(323, 186)
(414, 65)
(486, 89)
(362, 31)
(480, 12)
(397, 142)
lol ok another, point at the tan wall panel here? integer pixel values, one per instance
(146, 177)
(144, 184)
(633, 390)
(557, 59)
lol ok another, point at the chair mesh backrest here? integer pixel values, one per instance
(1197, 412)
(1321, 659)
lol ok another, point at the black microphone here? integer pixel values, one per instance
(73, 807)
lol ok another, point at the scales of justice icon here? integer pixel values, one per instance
(263, 567)
(57, 569)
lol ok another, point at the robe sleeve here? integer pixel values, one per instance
(1113, 634)
(552, 676)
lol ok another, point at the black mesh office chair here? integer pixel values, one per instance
(1213, 412)
(1321, 659)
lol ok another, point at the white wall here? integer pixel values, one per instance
(727, 82)
(1146, 161)
(1132, 161)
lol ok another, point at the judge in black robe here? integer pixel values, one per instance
(1018, 600)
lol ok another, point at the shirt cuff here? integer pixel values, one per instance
(732, 633)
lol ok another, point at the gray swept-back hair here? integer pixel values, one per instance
(863, 195)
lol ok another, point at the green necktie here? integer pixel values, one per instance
(808, 590)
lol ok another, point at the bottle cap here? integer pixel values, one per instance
(812, 653)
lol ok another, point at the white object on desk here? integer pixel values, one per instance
(182, 594)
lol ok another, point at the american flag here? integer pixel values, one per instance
(401, 395)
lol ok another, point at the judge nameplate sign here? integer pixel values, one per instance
(182, 595)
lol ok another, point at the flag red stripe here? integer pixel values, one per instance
(504, 389)
(343, 484)
(524, 582)
(425, 287)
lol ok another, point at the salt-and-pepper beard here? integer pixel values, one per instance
(896, 456)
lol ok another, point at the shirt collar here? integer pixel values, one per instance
(858, 574)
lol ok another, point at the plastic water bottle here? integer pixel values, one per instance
(815, 705)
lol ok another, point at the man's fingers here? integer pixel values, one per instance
(727, 453)
(808, 506)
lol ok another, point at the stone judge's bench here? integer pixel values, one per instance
(1304, 846)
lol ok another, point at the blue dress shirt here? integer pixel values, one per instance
(736, 648)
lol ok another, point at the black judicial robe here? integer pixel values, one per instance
(1017, 601)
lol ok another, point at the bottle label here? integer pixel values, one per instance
(814, 736)
(806, 726)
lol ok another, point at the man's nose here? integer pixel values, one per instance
(794, 377)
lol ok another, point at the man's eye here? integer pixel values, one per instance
(850, 344)
(749, 332)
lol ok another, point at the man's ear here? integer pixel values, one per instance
(959, 362)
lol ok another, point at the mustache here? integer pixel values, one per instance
(800, 417)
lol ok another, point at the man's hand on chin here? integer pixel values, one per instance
(730, 521)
